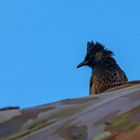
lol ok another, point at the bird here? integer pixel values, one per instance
(106, 73)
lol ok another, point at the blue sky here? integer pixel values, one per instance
(41, 43)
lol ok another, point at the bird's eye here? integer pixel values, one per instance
(90, 56)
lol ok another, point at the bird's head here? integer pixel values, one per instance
(95, 53)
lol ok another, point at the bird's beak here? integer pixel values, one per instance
(82, 64)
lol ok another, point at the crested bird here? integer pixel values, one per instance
(106, 73)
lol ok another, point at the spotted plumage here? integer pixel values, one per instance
(106, 73)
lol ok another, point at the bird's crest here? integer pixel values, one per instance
(94, 47)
